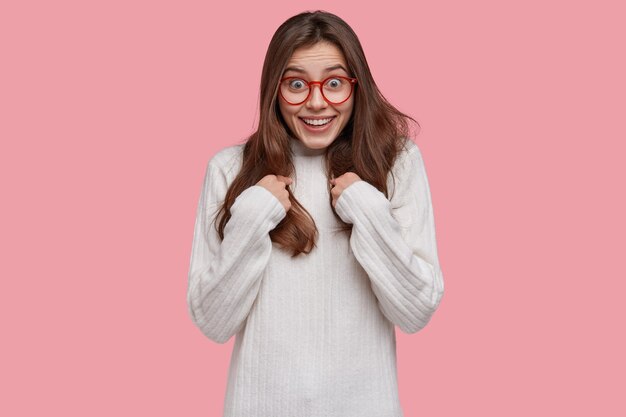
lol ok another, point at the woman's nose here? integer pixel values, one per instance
(316, 100)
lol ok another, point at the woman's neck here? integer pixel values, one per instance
(300, 149)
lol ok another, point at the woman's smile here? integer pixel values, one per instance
(317, 125)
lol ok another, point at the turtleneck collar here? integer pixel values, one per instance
(300, 149)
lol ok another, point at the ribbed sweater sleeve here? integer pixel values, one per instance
(224, 276)
(394, 241)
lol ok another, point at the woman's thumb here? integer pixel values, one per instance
(287, 180)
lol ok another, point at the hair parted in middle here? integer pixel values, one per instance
(367, 146)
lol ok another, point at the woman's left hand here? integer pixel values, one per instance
(341, 183)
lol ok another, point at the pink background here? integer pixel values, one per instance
(109, 112)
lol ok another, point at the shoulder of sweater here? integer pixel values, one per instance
(408, 157)
(404, 167)
(410, 149)
(228, 160)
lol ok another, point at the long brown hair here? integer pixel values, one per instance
(368, 144)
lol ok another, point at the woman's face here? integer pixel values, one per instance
(311, 64)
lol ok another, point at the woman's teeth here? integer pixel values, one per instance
(319, 122)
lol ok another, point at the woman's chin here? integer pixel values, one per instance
(316, 141)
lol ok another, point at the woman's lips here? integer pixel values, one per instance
(317, 129)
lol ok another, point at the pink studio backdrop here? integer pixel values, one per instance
(109, 112)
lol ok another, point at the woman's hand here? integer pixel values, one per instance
(277, 185)
(341, 183)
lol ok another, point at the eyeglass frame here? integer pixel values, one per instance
(310, 84)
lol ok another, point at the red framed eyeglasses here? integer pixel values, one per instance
(335, 89)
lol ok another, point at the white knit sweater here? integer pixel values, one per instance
(315, 333)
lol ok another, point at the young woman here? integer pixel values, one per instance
(316, 236)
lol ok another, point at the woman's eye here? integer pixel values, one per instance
(334, 83)
(297, 84)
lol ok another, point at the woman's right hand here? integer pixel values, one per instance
(277, 185)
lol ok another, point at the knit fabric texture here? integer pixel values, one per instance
(315, 334)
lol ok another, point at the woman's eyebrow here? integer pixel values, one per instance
(302, 71)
